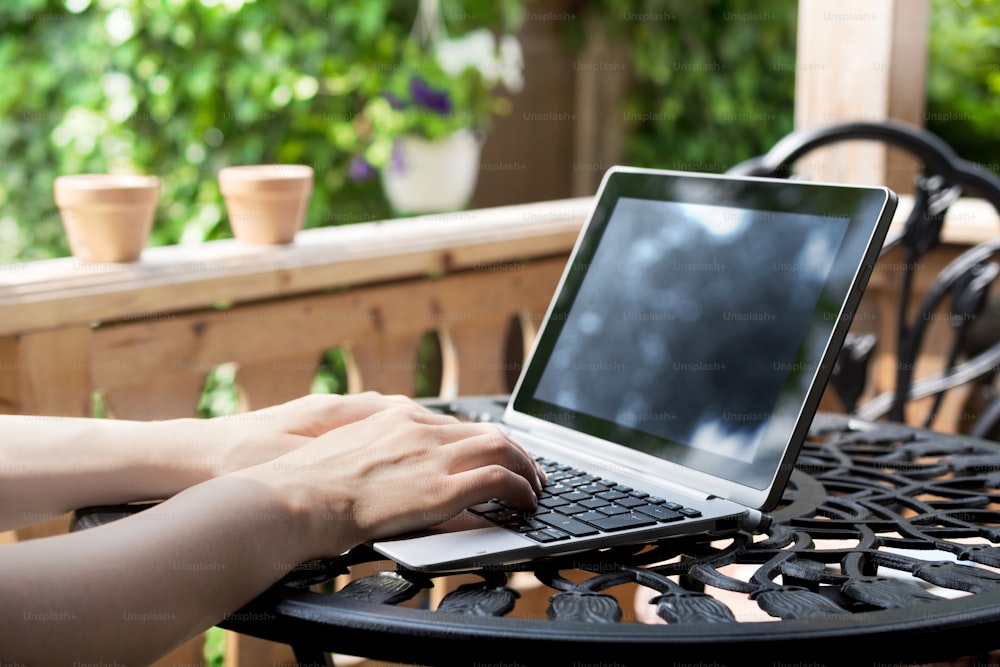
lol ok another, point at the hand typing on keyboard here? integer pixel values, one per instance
(247, 499)
(576, 504)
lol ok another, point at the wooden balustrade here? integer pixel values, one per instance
(145, 335)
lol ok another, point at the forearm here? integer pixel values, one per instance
(49, 465)
(127, 592)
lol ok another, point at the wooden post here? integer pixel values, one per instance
(527, 153)
(602, 74)
(861, 60)
(50, 372)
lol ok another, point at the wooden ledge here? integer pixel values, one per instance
(969, 221)
(66, 291)
(59, 292)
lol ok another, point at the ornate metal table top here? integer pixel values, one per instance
(884, 551)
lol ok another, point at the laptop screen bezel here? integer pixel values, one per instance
(868, 212)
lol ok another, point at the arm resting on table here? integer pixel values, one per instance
(131, 590)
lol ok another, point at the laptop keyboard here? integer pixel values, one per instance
(577, 504)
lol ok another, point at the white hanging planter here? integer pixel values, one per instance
(432, 176)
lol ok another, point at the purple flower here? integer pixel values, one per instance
(360, 169)
(394, 101)
(398, 160)
(427, 97)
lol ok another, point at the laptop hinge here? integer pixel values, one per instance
(755, 521)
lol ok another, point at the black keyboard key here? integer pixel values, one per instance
(567, 524)
(483, 508)
(594, 503)
(672, 506)
(503, 515)
(571, 509)
(525, 524)
(620, 521)
(554, 501)
(611, 510)
(659, 513)
(574, 496)
(547, 535)
(630, 501)
(689, 512)
(611, 495)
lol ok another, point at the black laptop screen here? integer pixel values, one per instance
(692, 323)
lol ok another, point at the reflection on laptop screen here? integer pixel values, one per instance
(695, 314)
(719, 298)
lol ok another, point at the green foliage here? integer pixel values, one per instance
(182, 88)
(714, 80)
(214, 650)
(963, 79)
(220, 396)
(331, 376)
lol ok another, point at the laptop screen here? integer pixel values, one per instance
(695, 315)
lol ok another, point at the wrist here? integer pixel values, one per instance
(186, 449)
(139, 460)
(322, 524)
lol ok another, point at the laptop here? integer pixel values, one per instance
(676, 372)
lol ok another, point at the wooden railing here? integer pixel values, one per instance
(145, 335)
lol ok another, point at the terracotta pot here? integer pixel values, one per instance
(266, 203)
(107, 217)
(432, 176)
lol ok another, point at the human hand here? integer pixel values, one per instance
(249, 438)
(400, 469)
(310, 478)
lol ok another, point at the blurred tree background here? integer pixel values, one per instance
(181, 88)
(963, 81)
(714, 81)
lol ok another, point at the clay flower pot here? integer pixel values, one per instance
(107, 217)
(266, 203)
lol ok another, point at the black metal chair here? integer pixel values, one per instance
(974, 350)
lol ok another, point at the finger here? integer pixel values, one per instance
(460, 429)
(315, 414)
(494, 448)
(388, 400)
(446, 429)
(480, 428)
(401, 400)
(436, 418)
(478, 485)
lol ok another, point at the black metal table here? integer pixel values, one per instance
(884, 551)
